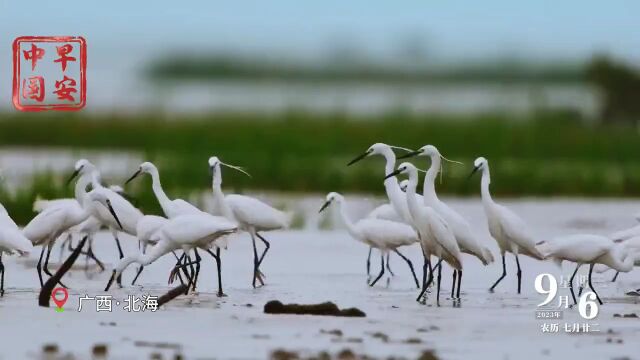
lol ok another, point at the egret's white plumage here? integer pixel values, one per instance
(252, 215)
(510, 232)
(184, 232)
(381, 234)
(387, 211)
(11, 241)
(588, 249)
(171, 208)
(626, 234)
(49, 224)
(397, 197)
(467, 240)
(436, 236)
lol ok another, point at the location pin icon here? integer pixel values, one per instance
(60, 302)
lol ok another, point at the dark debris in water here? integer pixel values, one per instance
(99, 350)
(157, 345)
(50, 348)
(336, 332)
(630, 315)
(326, 308)
(345, 354)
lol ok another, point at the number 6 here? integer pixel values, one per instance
(587, 301)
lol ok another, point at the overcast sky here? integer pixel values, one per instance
(540, 29)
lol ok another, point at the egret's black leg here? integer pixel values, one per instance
(198, 258)
(1, 276)
(381, 270)
(192, 271)
(431, 275)
(439, 281)
(389, 268)
(615, 277)
(66, 242)
(140, 271)
(369, 263)
(91, 255)
(39, 266)
(264, 253)
(173, 273)
(121, 254)
(459, 284)
(425, 266)
(453, 285)
(189, 263)
(219, 264)
(413, 272)
(504, 273)
(571, 284)
(255, 261)
(46, 263)
(218, 259)
(519, 274)
(591, 285)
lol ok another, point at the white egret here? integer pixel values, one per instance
(385, 212)
(253, 215)
(11, 241)
(396, 196)
(47, 226)
(171, 208)
(183, 232)
(128, 213)
(88, 227)
(384, 235)
(508, 229)
(436, 237)
(467, 241)
(588, 249)
(630, 245)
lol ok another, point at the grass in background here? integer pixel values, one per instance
(547, 154)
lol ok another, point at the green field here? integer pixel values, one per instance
(546, 154)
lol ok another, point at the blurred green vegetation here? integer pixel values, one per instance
(253, 68)
(620, 87)
(548, 154)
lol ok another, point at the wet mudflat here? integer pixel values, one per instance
(309, 267)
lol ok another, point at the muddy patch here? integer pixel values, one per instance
(326, 309)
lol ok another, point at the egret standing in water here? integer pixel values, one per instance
(129, 214)
(381, 234)
(467, 241)
(171, 208)
(251, 214)
(385, 212)
(396, 196)
(48, 225)
(436, 236)
(11, 241)
(588, 249)
(183, 232)
(510, 232)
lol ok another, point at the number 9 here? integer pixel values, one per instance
(553, 287)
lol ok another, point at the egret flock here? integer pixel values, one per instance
(444, 235)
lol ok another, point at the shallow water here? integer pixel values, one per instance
(314, 266)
